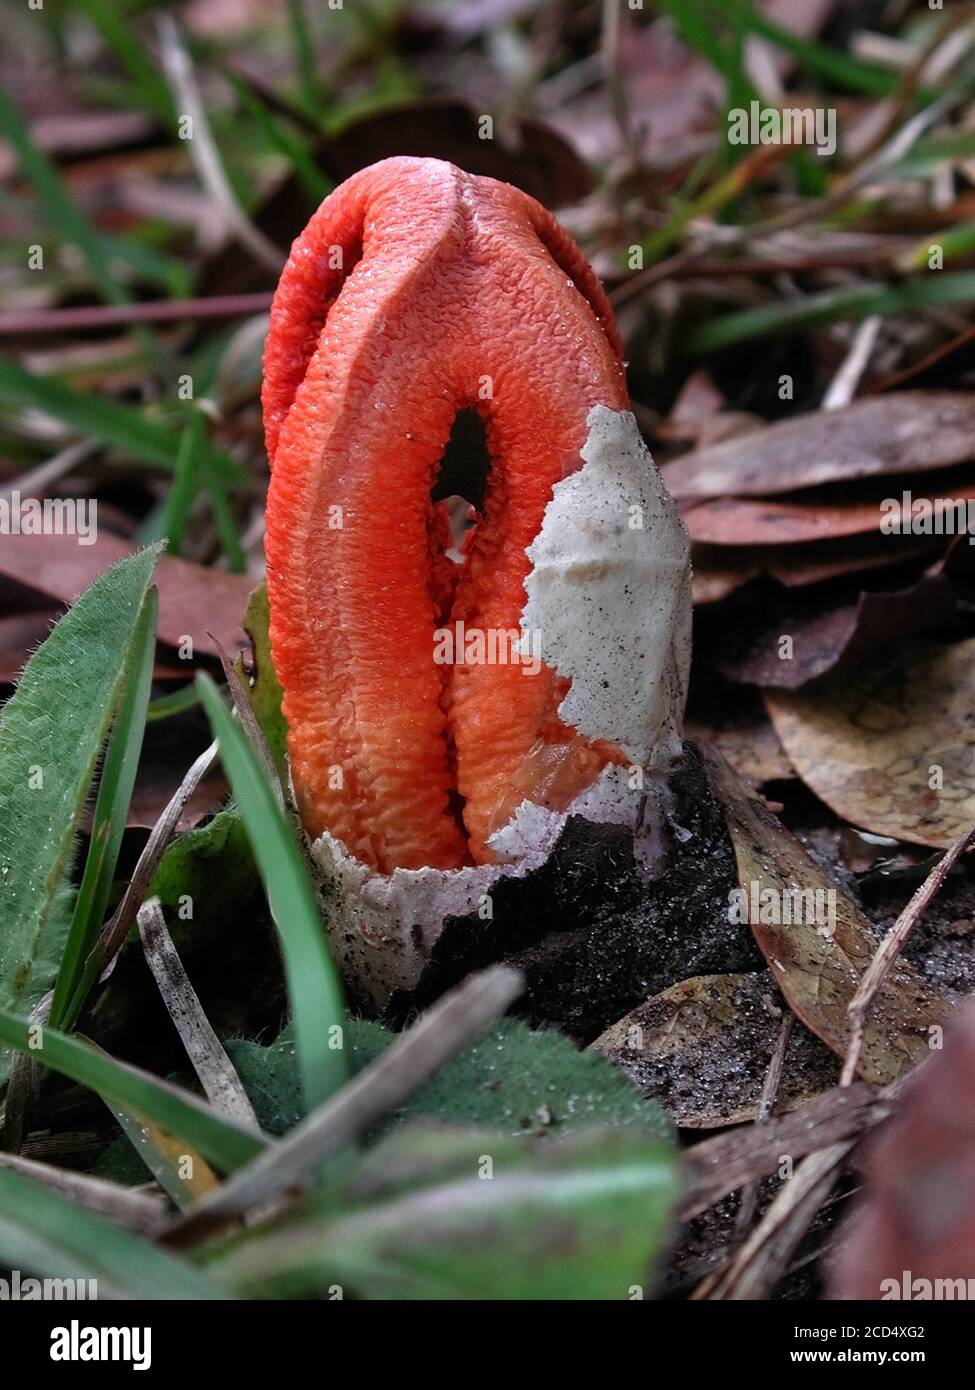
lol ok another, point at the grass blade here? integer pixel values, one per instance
(848, 302)
(111, 811)
(304, 55)
(821, 60)
(182, 1173)
(186, 481)
(221, 1142)
(58, 208)
(127, 429)
(313, 984)
(121, 39)
(294, 147)
(223, 517)
(116, 424)
(52, 1237)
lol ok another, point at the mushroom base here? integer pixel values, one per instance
(600, 907)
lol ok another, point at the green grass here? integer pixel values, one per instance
(313, 984)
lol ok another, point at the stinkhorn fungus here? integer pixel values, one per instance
(449, 703)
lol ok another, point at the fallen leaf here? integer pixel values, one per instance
(720, 570)
(194, 601)
(818, 965)
(905, 432)
(912, 1232)
(752, 649)
(702, 1049)
(890, 746)
(750, 744)
(21, 634)
(740, 521)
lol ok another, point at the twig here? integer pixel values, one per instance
(456, 1020)
(139, 1211)
(36, 482)
(770, 1089)
(807, 210)
(224, 306)
(890, 948)
(733, 1158)
(609, 48)
(687, 265)
(923, 364)
(765, 1255)
(178, 68)
(206, 1052)
(110, 942)
(843, 387)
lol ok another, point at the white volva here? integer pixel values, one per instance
(610, 593)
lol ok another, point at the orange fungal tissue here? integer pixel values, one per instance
(423, 707)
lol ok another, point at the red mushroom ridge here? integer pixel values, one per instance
(415, 293)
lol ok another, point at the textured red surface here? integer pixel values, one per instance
(447, 283)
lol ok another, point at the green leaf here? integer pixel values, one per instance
(222, 1142)
(515, 1080)
(110, 818)
(313, 984)
(48, 1236)
(211, 866)
(581, 1218)
(51, 732)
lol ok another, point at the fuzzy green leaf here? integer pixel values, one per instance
(51, 732)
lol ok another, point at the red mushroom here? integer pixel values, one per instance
(417, 291)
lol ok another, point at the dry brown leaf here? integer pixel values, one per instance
(702, 1047)
(740, 521)
(881, 436)
(749, 649)
(889, 746)
(720, 570)
(750, 744)
(912, 1235)
(194, 601)
(818, 968)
